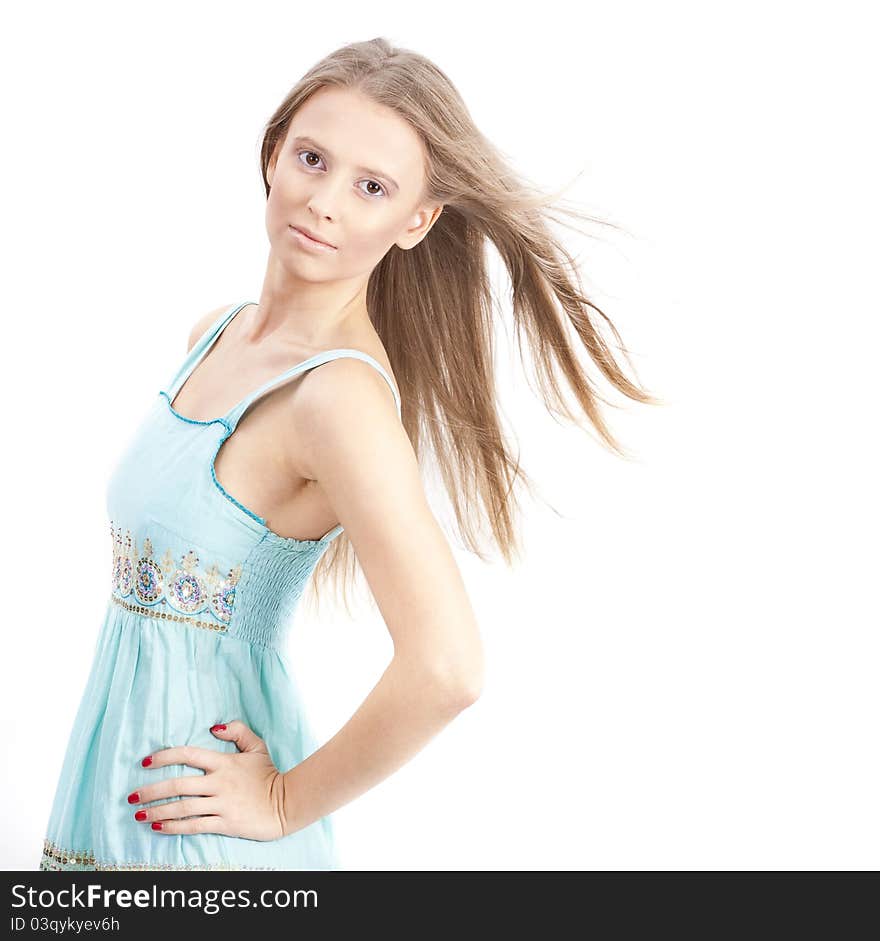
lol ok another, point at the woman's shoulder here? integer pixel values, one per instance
(202, 324)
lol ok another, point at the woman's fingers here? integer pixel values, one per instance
(174, 810)
(208, 759)
(173, 787)
(204, 824)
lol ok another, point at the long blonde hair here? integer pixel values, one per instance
(432, 305)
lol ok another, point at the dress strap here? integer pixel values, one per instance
(200, 348)
(232, 418)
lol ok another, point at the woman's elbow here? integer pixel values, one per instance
(460, 682)
(451, 674)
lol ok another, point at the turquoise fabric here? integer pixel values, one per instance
(202, 596)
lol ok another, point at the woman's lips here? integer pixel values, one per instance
(308, 242)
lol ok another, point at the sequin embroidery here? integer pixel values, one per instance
(56, 858)
(181, 584)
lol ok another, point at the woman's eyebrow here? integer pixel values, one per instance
(311, 142)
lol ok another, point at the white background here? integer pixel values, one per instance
(683, 670)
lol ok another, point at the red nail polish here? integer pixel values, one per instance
(218, 728)
(157, 825)
(133, 798)
(140, 815)
(147, 761)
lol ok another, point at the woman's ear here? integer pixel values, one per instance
(421, 225)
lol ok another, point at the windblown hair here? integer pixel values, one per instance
(432, 305)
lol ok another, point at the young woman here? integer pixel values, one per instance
(190, 748)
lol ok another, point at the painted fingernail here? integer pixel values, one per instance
(157, 825)
(218, 728)
(133, 798)
(140, 815)
(147, 761)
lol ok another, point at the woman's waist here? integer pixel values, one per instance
(265, 626)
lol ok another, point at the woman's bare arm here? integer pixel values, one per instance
(352, 442)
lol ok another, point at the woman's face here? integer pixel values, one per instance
(351, 172)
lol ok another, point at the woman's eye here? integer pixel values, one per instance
(311, 153)
(374, 183)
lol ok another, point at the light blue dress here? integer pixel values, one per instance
(202, 596)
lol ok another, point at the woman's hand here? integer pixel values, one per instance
(239, 795)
